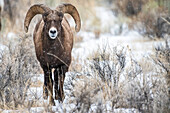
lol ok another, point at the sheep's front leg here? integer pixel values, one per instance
(46, 81)
(50, 88)
(49, 84)
(56, 89)
(63, 69)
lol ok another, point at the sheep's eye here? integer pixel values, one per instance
(60, 14)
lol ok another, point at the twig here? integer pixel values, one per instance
(165, 20)
(58, 58)
(60, 43)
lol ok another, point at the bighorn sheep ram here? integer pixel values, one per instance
(53, 40)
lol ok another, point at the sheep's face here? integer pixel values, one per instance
(52, 23)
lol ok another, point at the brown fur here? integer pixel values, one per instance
(53, 47)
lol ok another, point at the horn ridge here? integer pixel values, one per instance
(70, 9)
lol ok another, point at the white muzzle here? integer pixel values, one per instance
(53, 33)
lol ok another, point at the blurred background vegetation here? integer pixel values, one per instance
(146, 16)
(150, 18)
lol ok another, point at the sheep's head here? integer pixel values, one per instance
(52, 18)
(52, 23)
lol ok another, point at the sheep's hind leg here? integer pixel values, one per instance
(64, 69)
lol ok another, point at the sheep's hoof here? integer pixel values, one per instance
(56, 97)
(51, 102)
(45, 97)
(61, 99)
(45, 93)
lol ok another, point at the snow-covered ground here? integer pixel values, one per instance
(132, 39)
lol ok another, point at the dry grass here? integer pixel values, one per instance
(130, 7)
(17, 65)
(149, 20)
(144, 15)
(38, 83)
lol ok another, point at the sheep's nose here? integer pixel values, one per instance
(53, 31)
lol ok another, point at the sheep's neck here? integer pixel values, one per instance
(52, 45)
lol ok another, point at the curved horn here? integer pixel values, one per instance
(34, 10)
(70, 9)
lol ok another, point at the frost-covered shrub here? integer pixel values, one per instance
(162, 53)
(162, 59)
(113, 79)
(108, 66)
(17, 64)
